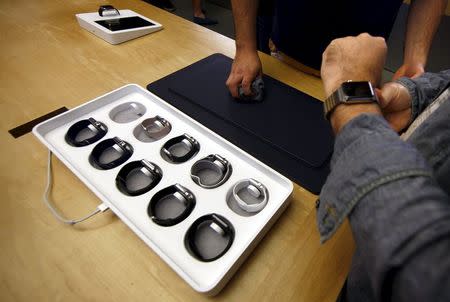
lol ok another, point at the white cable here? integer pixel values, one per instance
(101, 208)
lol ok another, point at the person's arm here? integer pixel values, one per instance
(400, 217)
(403, 100)
(425, 89)
(247, 65)
(423, 20)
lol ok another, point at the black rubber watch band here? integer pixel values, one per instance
(151, 170)
(190, 142)
(179, 192)
(220, 225)
(98, 129)
(125, 149)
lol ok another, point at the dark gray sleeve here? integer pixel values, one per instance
(403, 232)
(400, 217)
(425, 89)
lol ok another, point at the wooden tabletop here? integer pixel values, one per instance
(48, 61)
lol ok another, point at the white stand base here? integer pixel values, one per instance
(87, 21)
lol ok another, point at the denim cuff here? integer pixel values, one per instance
(425, 89)
(411, 86)
(367, 155)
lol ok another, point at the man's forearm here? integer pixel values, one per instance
(366, 152)
(423, 20)
(244, 13)
(402, 229)
(398, 214)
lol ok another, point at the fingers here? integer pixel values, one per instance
(418, 73)
(368, 36)
(246, 85)
(243, 79)
(246, 67)
(398, 74)
(388, 93)
(395, 97)
(233, 82)
(395, 102)
(359, 58)
(380, 97)
(410, 70)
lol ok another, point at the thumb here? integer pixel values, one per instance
(388, 93)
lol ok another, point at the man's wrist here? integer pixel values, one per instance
(246, 46)
(344, 113)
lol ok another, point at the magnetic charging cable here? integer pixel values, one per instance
(100, 209)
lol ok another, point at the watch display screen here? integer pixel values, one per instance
(124, 23)
(357, 89)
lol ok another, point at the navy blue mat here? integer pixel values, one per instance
(286, 131)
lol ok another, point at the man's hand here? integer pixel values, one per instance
(423, 21)
(245, 69)
(395, 103)
(246, 66)
(409, 70)
(358, 58)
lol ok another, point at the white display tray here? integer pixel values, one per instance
(88, 22)
(168, 242)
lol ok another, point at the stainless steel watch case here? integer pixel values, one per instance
(339, 96)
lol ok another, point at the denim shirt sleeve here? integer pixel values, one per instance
(367, 155)
(400, 217)
(425, 89)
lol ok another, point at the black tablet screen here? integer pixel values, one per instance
(124, 23)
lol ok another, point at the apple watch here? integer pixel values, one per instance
(209, 237)
(138, 177)
(85, 132)
(107, 11)
(110, 153)
(211, 171)
(180, 149)
(156, 127)
(171, 205)
(350, 93)
(256, 198)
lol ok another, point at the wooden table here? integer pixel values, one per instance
(47, 61)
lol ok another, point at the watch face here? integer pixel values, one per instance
(358, 89)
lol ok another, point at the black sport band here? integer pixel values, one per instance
(125, 148)
(221, 226)
(98, 129)
(177, 191)
(185, 139)
(151, 170)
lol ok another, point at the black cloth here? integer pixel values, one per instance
(286, 131)
(303, 29)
